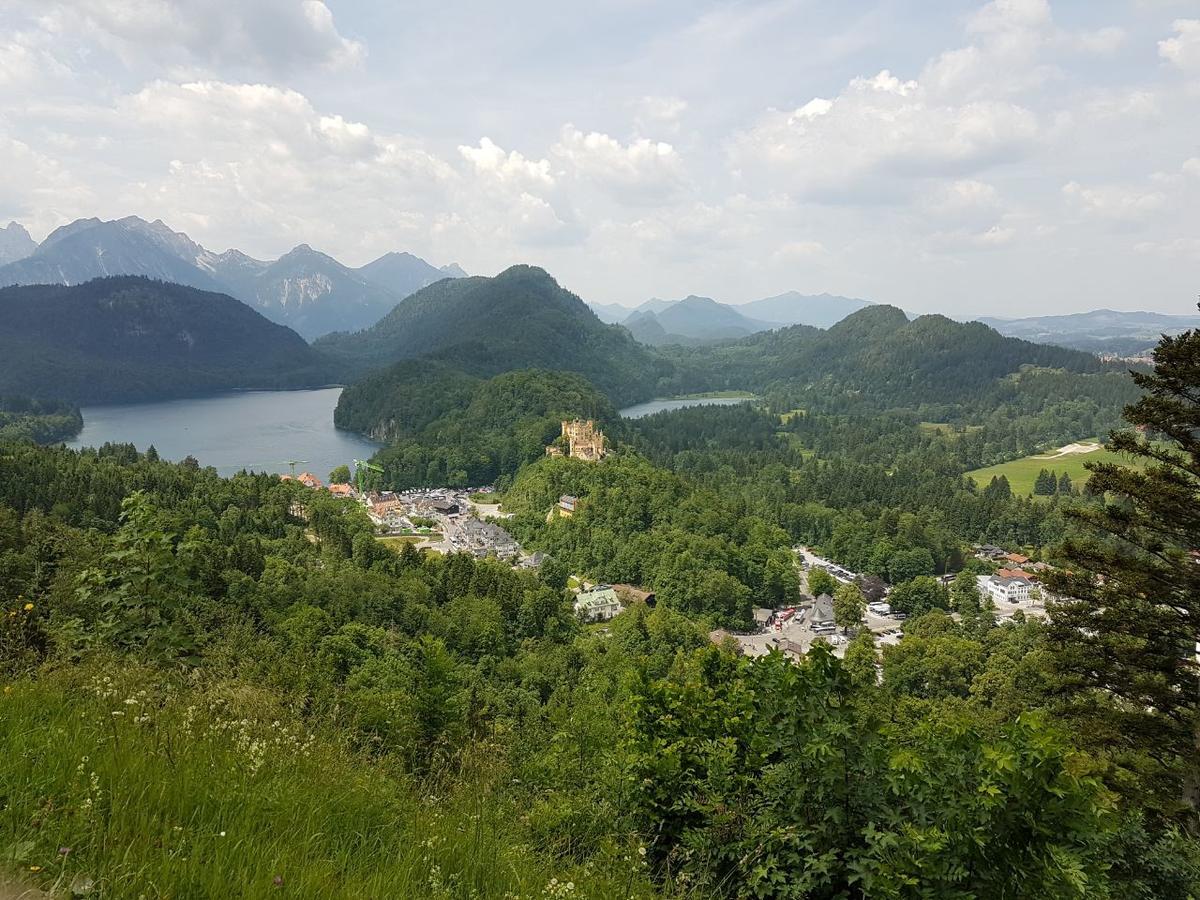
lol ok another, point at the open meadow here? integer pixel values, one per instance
(1072, 459)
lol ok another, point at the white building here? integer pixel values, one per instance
(600, 604)
(1008, 590)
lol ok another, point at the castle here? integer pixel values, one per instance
(584, 441)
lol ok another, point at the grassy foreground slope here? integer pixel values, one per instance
(144, 784)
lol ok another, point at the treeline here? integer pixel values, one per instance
(40, 421)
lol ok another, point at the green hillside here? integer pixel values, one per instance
(519, 319)
(129, 338)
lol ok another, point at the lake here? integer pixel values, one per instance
(650, 407)
(257, 430)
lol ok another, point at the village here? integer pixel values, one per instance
(448, 520)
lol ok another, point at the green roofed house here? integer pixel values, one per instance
(600, 604)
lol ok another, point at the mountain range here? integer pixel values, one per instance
(304, 289)
(1106, 331)
(131, 338)
(699, 320)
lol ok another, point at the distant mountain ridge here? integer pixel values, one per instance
(1116, 332)
(698, 320)
(691, 320)
(131, 338)
(304, 289)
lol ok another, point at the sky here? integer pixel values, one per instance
(1010, 158)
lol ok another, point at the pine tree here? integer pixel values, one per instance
(1064, 484)
(1126, 644)
(1044, 484)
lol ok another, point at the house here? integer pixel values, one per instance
(309, 480)
(763, 616)
(791, 649)
(718, 637)
(1009, 590)
(630, 594)
(444, 507)
(990, 551)
(1016, 558)
(534, 560)
(1014, 573)
(485, 538)
(567, 504)
(600, 604)
(822, 612)
(342, 490)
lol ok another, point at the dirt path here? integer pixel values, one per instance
(1071, 450)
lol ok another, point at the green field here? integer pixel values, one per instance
(1021, 473)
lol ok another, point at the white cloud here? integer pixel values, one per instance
(278, 35)
(660, 110)
(879, 133)
(1183, 50)
(642, 172)
(1103, 41)
(1118, 202)
(508, 168)
(1192, 167)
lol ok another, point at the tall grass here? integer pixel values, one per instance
(143, 785)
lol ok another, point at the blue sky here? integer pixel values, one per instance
(1007, 158)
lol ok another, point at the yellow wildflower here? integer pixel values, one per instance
(28, 607)
(35, 868)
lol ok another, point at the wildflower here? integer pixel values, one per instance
(641, 851)
(63, 851)
(222, 834)
(277, 881)
(35, 868)
(28, 607)
(129, 701)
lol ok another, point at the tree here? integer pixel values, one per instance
(873, 587)
(821, 582)
(918, 596)
(849, 604)
(998, 488)
(1045, 483)
(340, 475)
(908, 564)
(1125, 643)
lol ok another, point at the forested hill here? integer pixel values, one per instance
(447, 427)
(519, 319)
(878, 354)
(130, 338)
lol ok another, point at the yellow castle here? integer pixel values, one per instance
(584, 441)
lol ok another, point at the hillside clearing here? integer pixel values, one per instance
(1071, 459)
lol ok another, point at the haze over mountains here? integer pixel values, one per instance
(1108, 331)
(303, 289)
(699, 320)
